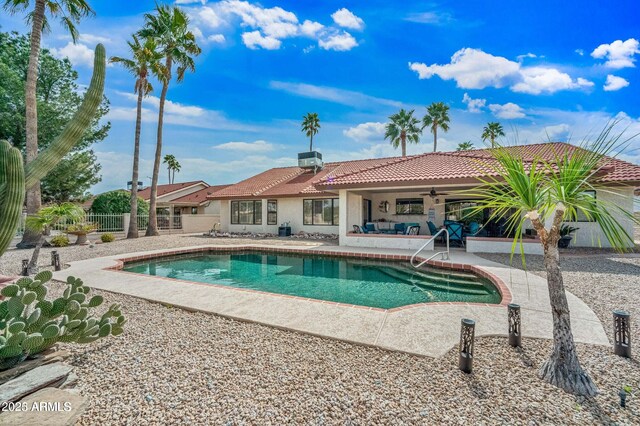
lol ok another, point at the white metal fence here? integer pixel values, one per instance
(120, 223)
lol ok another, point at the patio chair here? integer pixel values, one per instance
(399, 228)
(474, 229)
(433, 230)
(357, 229)
(455, 233)
(413, 230)
(370, 228)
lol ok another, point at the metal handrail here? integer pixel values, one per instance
(435, 254)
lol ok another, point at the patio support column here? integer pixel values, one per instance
(343, 216)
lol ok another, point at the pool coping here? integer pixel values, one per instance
(424, 329)
(505, 293)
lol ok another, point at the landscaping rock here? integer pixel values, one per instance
(48, 406)
(33, 380)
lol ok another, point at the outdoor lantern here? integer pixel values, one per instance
(53, 257)
(515, 338)
(56, 261)
(621, 333)
(467, 334)
(25, 267)
(623, 398)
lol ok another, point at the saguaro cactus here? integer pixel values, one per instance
(14, 177)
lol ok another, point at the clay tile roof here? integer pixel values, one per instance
(199, 197)
(167, 189)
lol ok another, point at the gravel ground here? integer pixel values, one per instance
(177, 367)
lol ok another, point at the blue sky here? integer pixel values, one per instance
(541, 68)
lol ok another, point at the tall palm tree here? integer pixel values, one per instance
(169, 28)
(173, 166)
(146, 59)
(464, 146)
(546, 193)
(403, 127)
(70, 13)
(437, 116)
(492, 131)
(310, 125)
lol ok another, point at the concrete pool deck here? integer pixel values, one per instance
(425, 329)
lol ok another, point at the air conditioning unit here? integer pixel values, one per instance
(310, 160)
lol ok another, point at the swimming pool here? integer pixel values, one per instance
(356, 281)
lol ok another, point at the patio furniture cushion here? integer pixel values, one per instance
(474, 228)
(399, 228)
(413, 230)
(370, 228)
(357, 229)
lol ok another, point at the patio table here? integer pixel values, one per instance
(386, 227)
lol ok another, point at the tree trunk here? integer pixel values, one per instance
(435, 138)
(30, 238)
(403, 141)
(563, 368)
(311, 143)
(152, 228)
(32, 268)
(133, 222)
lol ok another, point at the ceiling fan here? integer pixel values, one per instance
(433, 193)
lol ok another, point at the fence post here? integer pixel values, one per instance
(126, 219)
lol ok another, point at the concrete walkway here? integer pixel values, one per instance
(427, 329)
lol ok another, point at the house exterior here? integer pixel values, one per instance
(185, 198)
(387, 191)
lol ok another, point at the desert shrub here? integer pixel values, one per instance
(107, 237)
(60, 241)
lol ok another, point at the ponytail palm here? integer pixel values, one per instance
(169, 29)
(145, 59)
(403, 127)
(546, 193)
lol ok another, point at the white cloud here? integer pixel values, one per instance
(346, 19)
(579, 52)
(558, 132)
(209, 17)
(332, 94)
(254, 40)
(471, 69)
(78, 54)
(614, 83)
(432, 18)
(94, 39)
(536, 80)
(311, 28)
(520, 58)
(217, 38)
(365, 131)
(473, 105)
(257, 146)
(508, 111)
(341, 42)
(619, 54)
(475, 69)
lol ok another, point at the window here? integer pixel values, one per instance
(463, 211)
(272, 212)
(323, 211)
(580, 216)
(194, 210)
(246, 212)
(409, 206)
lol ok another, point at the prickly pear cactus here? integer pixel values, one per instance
(29, 323)
(14, 177)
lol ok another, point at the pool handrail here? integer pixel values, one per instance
(443, 253)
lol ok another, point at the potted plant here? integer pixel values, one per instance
(565, 235)
(81, 230)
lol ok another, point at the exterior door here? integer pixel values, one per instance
(366, 211)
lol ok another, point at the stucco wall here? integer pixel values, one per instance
(198, 222)
(289, 210)
(501, 245)
(407, 242)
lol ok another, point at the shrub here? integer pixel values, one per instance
(60, 241)
(33, 324)
(82, 227)
(117, 202)
(107, 237)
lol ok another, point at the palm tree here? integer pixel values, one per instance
(437, 116)
(146, 59)
(70, 13)
(173, 166)
(44, 220)
(402, 128)
(169, 29)
(492, 131)
(547, 193)
(465, 146)
(310, 125)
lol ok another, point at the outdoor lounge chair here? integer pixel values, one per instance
(357, 229)
(370, 228)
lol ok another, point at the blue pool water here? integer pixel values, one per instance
(380, 284)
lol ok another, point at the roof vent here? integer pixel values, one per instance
(310, 160)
